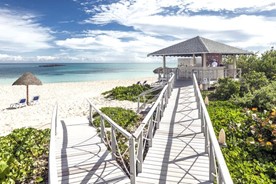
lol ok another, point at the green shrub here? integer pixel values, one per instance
(24, 156)
(226, 88)
(126, 93)
(123, 117)
(263, 98)
(253, 81)
(247, 163)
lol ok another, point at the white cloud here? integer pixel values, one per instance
(215, 5)
(111, 46)
(19, 32)
(7, 57)
(240, 29)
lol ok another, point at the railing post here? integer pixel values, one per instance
(138, 108)
(212, 171)
(206, 140)
(56, 118)
(166, 98)
(113, 142)
(90, 114)
(162, 106)
(132, 160)
(150, 132)
(140, 153)
(102, 129)
(202, 119)
(158, 116)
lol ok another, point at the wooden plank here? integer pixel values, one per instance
(82, 158)
(178, 151)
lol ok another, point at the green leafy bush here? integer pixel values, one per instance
(123, 117)
(266, 64)
(24, 156)
(226, 88)
(263, 98)
(252, 81)
(263, 130)
(126, 93)
(247, 163)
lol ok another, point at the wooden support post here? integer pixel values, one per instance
(202, 117)
(164, 66)
(140, 153)
(234, 66)
(90, 114)
(206, 140)
(113, 142)
(162, 107)
(102, 129)
(132, 160)
(150, 133)
(138, 108)
(158, 116)
(212, 170)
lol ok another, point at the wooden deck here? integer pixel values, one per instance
(176, 156)
(177, 153)
(82, 158)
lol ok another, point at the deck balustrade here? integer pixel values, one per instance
(210, 73)
(217, 168)
(52, 173)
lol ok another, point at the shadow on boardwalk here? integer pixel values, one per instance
(177, 154)
(82, 158)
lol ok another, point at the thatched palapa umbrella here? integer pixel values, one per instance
(27, 79)
(161, 70)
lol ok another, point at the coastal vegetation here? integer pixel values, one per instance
(24, 156)
(246, 110)
(127, 119)
(126, 92)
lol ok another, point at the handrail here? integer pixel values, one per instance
(151, 122)
(109, 120)
(113, 144)
(144, 94)
(152, 119)
(52, 166)
(218, 167)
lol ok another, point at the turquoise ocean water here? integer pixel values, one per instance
(78, 72)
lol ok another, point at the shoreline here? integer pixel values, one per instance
(70, 96)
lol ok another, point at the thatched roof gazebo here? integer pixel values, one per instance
(27, 79)
(198, 46)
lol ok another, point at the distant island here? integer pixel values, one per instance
(51, 65)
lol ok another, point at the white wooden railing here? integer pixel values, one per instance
(140, 137)
(142, 98)
(113, 144)
(144, 133)
(210, 73)
(52, 166)
(217, 166)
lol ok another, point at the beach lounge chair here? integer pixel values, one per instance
(34, 100)
(21, 103)
(138, 82)
(145, 82)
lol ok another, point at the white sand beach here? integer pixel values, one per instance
(71, 99)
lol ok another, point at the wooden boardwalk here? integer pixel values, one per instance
(82, 158)
(177, 153)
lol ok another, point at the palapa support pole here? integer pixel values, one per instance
(27, 94)
(164, 66)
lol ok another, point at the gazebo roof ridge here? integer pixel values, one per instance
(198, 45)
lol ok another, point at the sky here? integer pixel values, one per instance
(127, 30)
